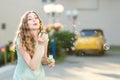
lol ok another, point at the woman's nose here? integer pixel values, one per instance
(33, 19)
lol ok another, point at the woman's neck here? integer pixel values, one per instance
(35, 38)
(35, 35)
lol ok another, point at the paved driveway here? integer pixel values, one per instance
(105, 67)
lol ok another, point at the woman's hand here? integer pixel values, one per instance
(51, 61)
(43, 38)
(51, 64)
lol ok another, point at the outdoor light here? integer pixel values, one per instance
(59, 8)
(48, 8)
(53, 8)
(74, 15)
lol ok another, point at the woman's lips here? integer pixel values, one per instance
(35, 24)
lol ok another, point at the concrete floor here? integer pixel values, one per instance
(105, 67)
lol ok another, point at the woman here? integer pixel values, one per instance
(31, 46)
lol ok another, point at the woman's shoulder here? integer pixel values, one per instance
(17, 41)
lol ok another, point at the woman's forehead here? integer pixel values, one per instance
(31, 14)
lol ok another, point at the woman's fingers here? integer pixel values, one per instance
(51, 65)
(43, 38)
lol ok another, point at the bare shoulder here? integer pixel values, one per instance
(22, 50)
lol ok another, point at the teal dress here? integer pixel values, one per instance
(23, 72)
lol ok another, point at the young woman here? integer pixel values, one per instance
(31, 46)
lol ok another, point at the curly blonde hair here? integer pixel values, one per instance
(23, 33)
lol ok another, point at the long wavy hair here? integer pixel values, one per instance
(23, 33)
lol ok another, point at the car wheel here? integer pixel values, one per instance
(80, 54)
(102, 53)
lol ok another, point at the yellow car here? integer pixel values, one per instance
(91, 41)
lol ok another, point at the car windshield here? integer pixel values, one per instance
(88, 33)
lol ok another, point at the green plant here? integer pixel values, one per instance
(1, 58)
(8, 52)
(61, 57)
(63, 41)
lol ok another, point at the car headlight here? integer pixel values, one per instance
(106, 46)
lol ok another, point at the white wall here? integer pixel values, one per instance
(11, 12)
(106, 16)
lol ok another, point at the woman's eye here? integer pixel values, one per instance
(29, 19)
(36, 17)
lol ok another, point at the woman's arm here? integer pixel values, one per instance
(44, 59)
(31, 62)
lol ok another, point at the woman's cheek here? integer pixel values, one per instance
(30, 25)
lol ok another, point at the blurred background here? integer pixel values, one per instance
(103, 14)
(64, 20)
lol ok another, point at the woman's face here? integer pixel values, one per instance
(33, 21)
